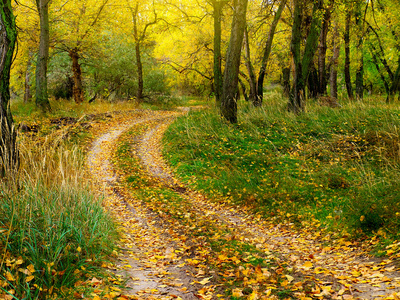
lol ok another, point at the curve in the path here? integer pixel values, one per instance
(360, 277)
(147, 259)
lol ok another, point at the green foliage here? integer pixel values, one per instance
(331, 166)
(58, 231)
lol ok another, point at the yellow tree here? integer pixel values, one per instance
(144, 16)
(78, 32)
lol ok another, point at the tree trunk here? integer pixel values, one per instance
(267, 52)
(139, 65)
(334, 64)
(347, 77)
(303, 64)
(9, 158)
(76, 70)
(360, 47)
(27, 93)
(322, 52)
(296, 99)
(313, 83)
(42, 98)
(286, 81)
(231, 72)
(250, 70)
(217, 50)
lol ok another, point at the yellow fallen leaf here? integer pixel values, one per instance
(253, 296)
(31, 268)
(9, 276)
(205, 281)
(29, 278)
(237, 293)
(289, 278)
(308, 265)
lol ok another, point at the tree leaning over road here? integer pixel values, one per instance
(8, 35)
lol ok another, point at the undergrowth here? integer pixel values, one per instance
(335, 168)
(54, 233)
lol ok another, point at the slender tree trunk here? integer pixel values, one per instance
(267, 52)
(360, 78)
(334, 64)
(360, 47)
(27, 93)
(322, 52)
(347, 77)
(9, 158)
(139, 65)
(217, 50)
(302, 65)
(42, 98)
(250, 70)
(76, 70)
(313, 83)
(286, 81)
(231, 72)
(296, 99)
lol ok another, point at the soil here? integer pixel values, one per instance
(154, 270)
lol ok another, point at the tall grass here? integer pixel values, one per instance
(54, 233)
(336, 167)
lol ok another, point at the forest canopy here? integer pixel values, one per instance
(148, 49)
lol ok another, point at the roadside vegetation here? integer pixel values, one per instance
(55, 234)
(335, 168)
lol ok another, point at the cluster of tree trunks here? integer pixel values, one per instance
(9, 159)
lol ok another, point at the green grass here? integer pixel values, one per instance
(54, 233)
(336, 167)
(223, 253)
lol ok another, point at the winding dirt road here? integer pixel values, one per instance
(154, 268)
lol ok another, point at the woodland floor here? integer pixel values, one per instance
(163, 256)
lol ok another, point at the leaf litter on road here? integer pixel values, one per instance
(178, 244)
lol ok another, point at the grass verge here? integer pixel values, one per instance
(335, 168)
(54, 233)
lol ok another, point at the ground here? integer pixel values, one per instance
(163, 256)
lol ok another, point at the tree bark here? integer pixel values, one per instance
(347, 77)
(313, 83)
(42, 98)
(231, 72)
(322, 82)
(360, 47)
(334, 64)
(303, 64)
(9, 158)
(286, 81)
(139, 65)
(76, 70)
(296, 99)
(217, 50)
(267, 52)
(27, 92)
(250, 70)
